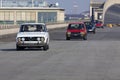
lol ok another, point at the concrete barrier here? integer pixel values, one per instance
(16, 29)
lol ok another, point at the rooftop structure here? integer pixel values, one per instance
(23, 3)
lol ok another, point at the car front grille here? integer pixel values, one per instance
(75, 32)
(30, 38)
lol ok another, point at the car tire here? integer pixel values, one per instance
(46, 47)
(94, 32)
(19, 48)
(67, 38)
(85, 37)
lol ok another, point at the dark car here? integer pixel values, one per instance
(99, 24)
(90, 27)
(76, 29)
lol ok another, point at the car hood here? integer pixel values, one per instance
(31, 34)
(75, 30)
(90, 27)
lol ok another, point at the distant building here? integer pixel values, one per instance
(20, 11)
(96, 9)
(86, 14)
(73, 16)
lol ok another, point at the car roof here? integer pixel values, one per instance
(76, 23)
(33, 24)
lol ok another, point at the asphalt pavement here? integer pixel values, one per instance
(97, 58)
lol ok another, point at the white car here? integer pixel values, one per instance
(32, 35)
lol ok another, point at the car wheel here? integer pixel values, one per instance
(67, 38)
(19, 48)
(85, 37)
(94, 32)
(46, 47)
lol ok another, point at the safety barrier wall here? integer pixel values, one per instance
(9, 26)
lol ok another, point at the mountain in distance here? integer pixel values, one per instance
(82, 15)
(86, 13)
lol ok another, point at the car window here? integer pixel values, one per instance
(98, 22)
(76, 26)
(88, 24)
(32, 28)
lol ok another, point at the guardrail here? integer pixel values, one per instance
(6, 29)
(9, 26)
(15, 30)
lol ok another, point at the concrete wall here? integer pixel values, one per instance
(16, 29)
(97, 6)
(107, 5)
(60, 15)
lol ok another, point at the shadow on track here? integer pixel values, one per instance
(27, 49)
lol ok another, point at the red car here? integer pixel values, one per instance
(99, 24)
(76, 29)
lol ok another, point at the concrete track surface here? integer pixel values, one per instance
(98, 58)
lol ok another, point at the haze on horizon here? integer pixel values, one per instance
(74, 6)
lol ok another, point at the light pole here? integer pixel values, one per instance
(92, 17)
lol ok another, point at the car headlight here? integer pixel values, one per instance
(42, 39)
(38, 39)
(23, 39)
(68, 33)
(82, 33)
(18, 39)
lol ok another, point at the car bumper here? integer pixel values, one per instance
(90, 30)
(31, 44)
(99, 26)
(75, 35)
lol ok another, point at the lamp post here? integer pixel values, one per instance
(92, 17)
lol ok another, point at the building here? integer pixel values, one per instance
(96, 9)
(26, 11)
(107, 11)
(17, 15)
(111, 12)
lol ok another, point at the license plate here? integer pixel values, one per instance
(75, 34)
(90, 30)
(31, 42)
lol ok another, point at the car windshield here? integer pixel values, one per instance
(88, 24)
(98, 22)
(76, 26)
(32, 28)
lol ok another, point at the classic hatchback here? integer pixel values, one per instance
(90, 27)
(99, 24)
(76, 29)
(32, 35)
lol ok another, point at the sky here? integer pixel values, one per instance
(73, 6)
